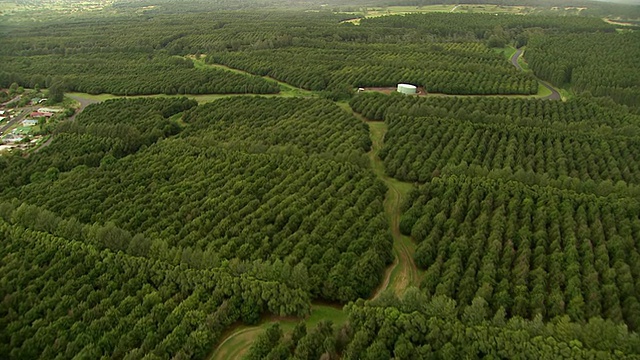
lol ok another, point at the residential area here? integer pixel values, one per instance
(24, 119)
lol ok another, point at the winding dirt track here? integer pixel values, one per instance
(555, 95)
(403, 271)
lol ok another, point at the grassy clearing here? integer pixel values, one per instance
(566, 92)
(100, 97)
(404, 272)
(240, 340)
(523, 64)
(543, 91)
(493, 9)
(507, 51)
(462, 8)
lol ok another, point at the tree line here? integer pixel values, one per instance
(127, 55)
(531, 251)
(302, 194)
(411, 157)
(128, 74)
(599, 63)
(583, 144)
(418, 327)
(454, 68)
(64, 299)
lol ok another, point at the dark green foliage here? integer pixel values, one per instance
(436, 330)
(64, 298)
(532, 251)
(147, 227)
(288, 124)
(579, 144)
(251, 179)
(265, 343)
(602, 64)
(100, 135)
(56, 92)
(481, 26)
(124, 55)
(318, 343)
(454, 68)
(513, 149)
(582, 114)
(130, 74)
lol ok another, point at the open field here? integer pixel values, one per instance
(464, 8)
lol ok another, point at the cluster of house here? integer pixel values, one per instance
(35, 116)
(18, 134)
(42, 113)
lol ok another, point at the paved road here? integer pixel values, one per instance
(515, 57)
(26, 111)
(83, 104)
(555, 95)
(12, 100)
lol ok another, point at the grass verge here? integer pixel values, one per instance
(240, 340)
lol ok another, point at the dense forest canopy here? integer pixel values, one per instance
(602, 64)
(416, 327)
(152, 227)
(311, 50)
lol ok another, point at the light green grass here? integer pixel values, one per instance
(326, 312)
(523, 63)
(22, 130)
(543, 91)
(241, 338)
(506, 51)
(464, 8)
(100, 97)
(493, 9)
(566, 92)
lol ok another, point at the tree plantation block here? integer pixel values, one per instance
(249, 180)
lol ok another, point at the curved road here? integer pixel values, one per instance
(555, 95)
(83, 104)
